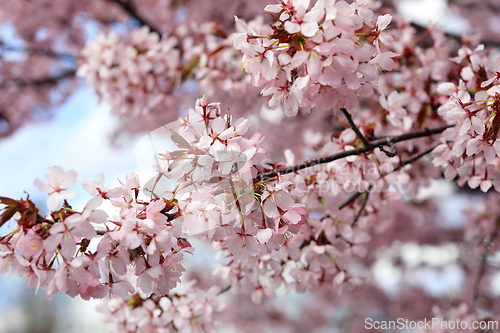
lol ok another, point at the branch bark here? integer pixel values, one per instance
(44, 80)
(47, 53)
(367, 195)
(482, 267)
(355, 128)
(130, 9)
(412, 159)
(389, 141)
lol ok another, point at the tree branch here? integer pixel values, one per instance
(44, 80)
(414, 158)
(367, 194)
(389, 141)
(356, 195)
(355, 128)
(47, 53)
(482, 268)
(130, 9)
(351, 199)
(457, 38)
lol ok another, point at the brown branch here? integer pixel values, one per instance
(457, 38)
(351, 199)
(131, 10)
(367, 194)
(47, 53)
(389, 141)
(100, 232)
(228, 287)
(44, 80)
(355, 128)
(414, 158)
(356, 195)
(482, 268)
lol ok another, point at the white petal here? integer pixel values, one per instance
(273, 8)
(263, 235)
(292, 28)
(309, 29)
(478, 125)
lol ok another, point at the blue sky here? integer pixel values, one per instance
(76, 138)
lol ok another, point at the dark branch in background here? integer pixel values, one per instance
(356, 195)
(490, 5)
(414, 158)
(457, 38)
(355, 128)
(51, 54)
(482, 267)
(130, 9)
(367, 195)
(44, 80)
(351, 199)
(389, 141)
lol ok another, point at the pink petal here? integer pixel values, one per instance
(54, 201)
(309, 29)
(383, 21)
(42, 186)
(263, 235)
(270, 208)
(292, 28)
(477, 125)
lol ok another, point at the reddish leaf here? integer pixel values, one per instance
(7, 215)
(8, 201)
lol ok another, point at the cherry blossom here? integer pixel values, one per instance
(58, 182)
(319, 201)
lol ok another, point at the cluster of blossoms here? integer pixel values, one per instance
(470, 149)
(219, 196)
(166, 314)
(62, 252)
(308, 227)
(140, 250)
(313, 57)
(144, 74)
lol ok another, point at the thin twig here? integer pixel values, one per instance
(412, 159)
(44, 80)
(128, 7)
(224, 290)
(47, 53)
(482, 268)
(367, 194)
(350, 200)
(355, 128)
(389, 141)
(228, 287)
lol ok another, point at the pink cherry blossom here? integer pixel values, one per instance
(58, 182)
